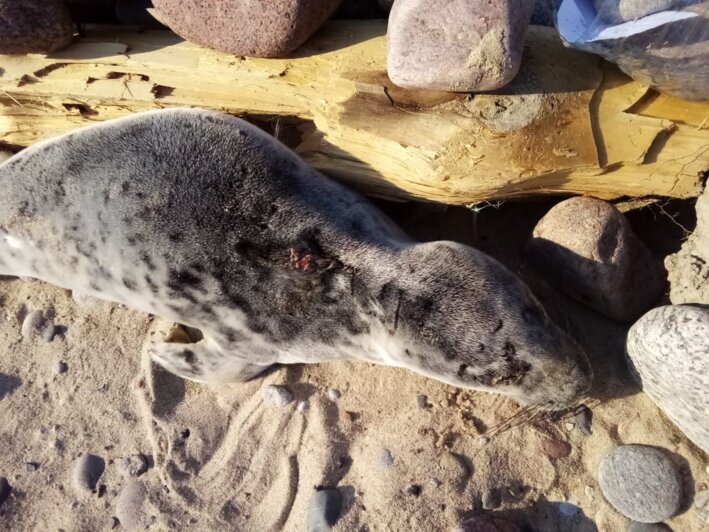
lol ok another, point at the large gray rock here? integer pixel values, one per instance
(689, 268)
(641, 482)
(586, 248)
(34, 26)
(458, 45)
(246, 27)
(668, 351)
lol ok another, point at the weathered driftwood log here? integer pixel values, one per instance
(568, 124)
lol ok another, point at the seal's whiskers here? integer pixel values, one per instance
(524, 415)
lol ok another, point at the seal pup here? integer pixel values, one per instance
(204, 219)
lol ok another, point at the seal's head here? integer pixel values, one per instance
(463, 318)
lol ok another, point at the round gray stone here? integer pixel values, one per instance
(87, 470)
(37, 324)
(641, 482)
(667, 351)
(276, 395)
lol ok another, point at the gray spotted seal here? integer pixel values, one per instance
(204, 219)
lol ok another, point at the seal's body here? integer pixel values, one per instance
(203, 219)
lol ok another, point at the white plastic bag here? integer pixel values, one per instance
(667, 49)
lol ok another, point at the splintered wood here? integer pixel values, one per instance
(569, 123)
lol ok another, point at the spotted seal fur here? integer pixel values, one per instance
(204, 219)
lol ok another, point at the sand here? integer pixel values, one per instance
(222, 458)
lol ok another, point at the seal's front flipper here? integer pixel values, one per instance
(201, 360)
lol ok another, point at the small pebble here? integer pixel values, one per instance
(324, 511)
(60, 367)
(590, 492)
(134, 465)
(37, 324)
(113, 522)
(31, 467)
(87, 470)
(570, 426)
(5, 490)
(414, 490)
(303, 406)
(422, 401)
(387, 458)
(641, 482)
(556, 448)
(333, 394)
(277, 395)
(490, 499)
(584, 418)
(129, 505)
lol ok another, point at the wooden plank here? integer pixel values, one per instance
(569, 123)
